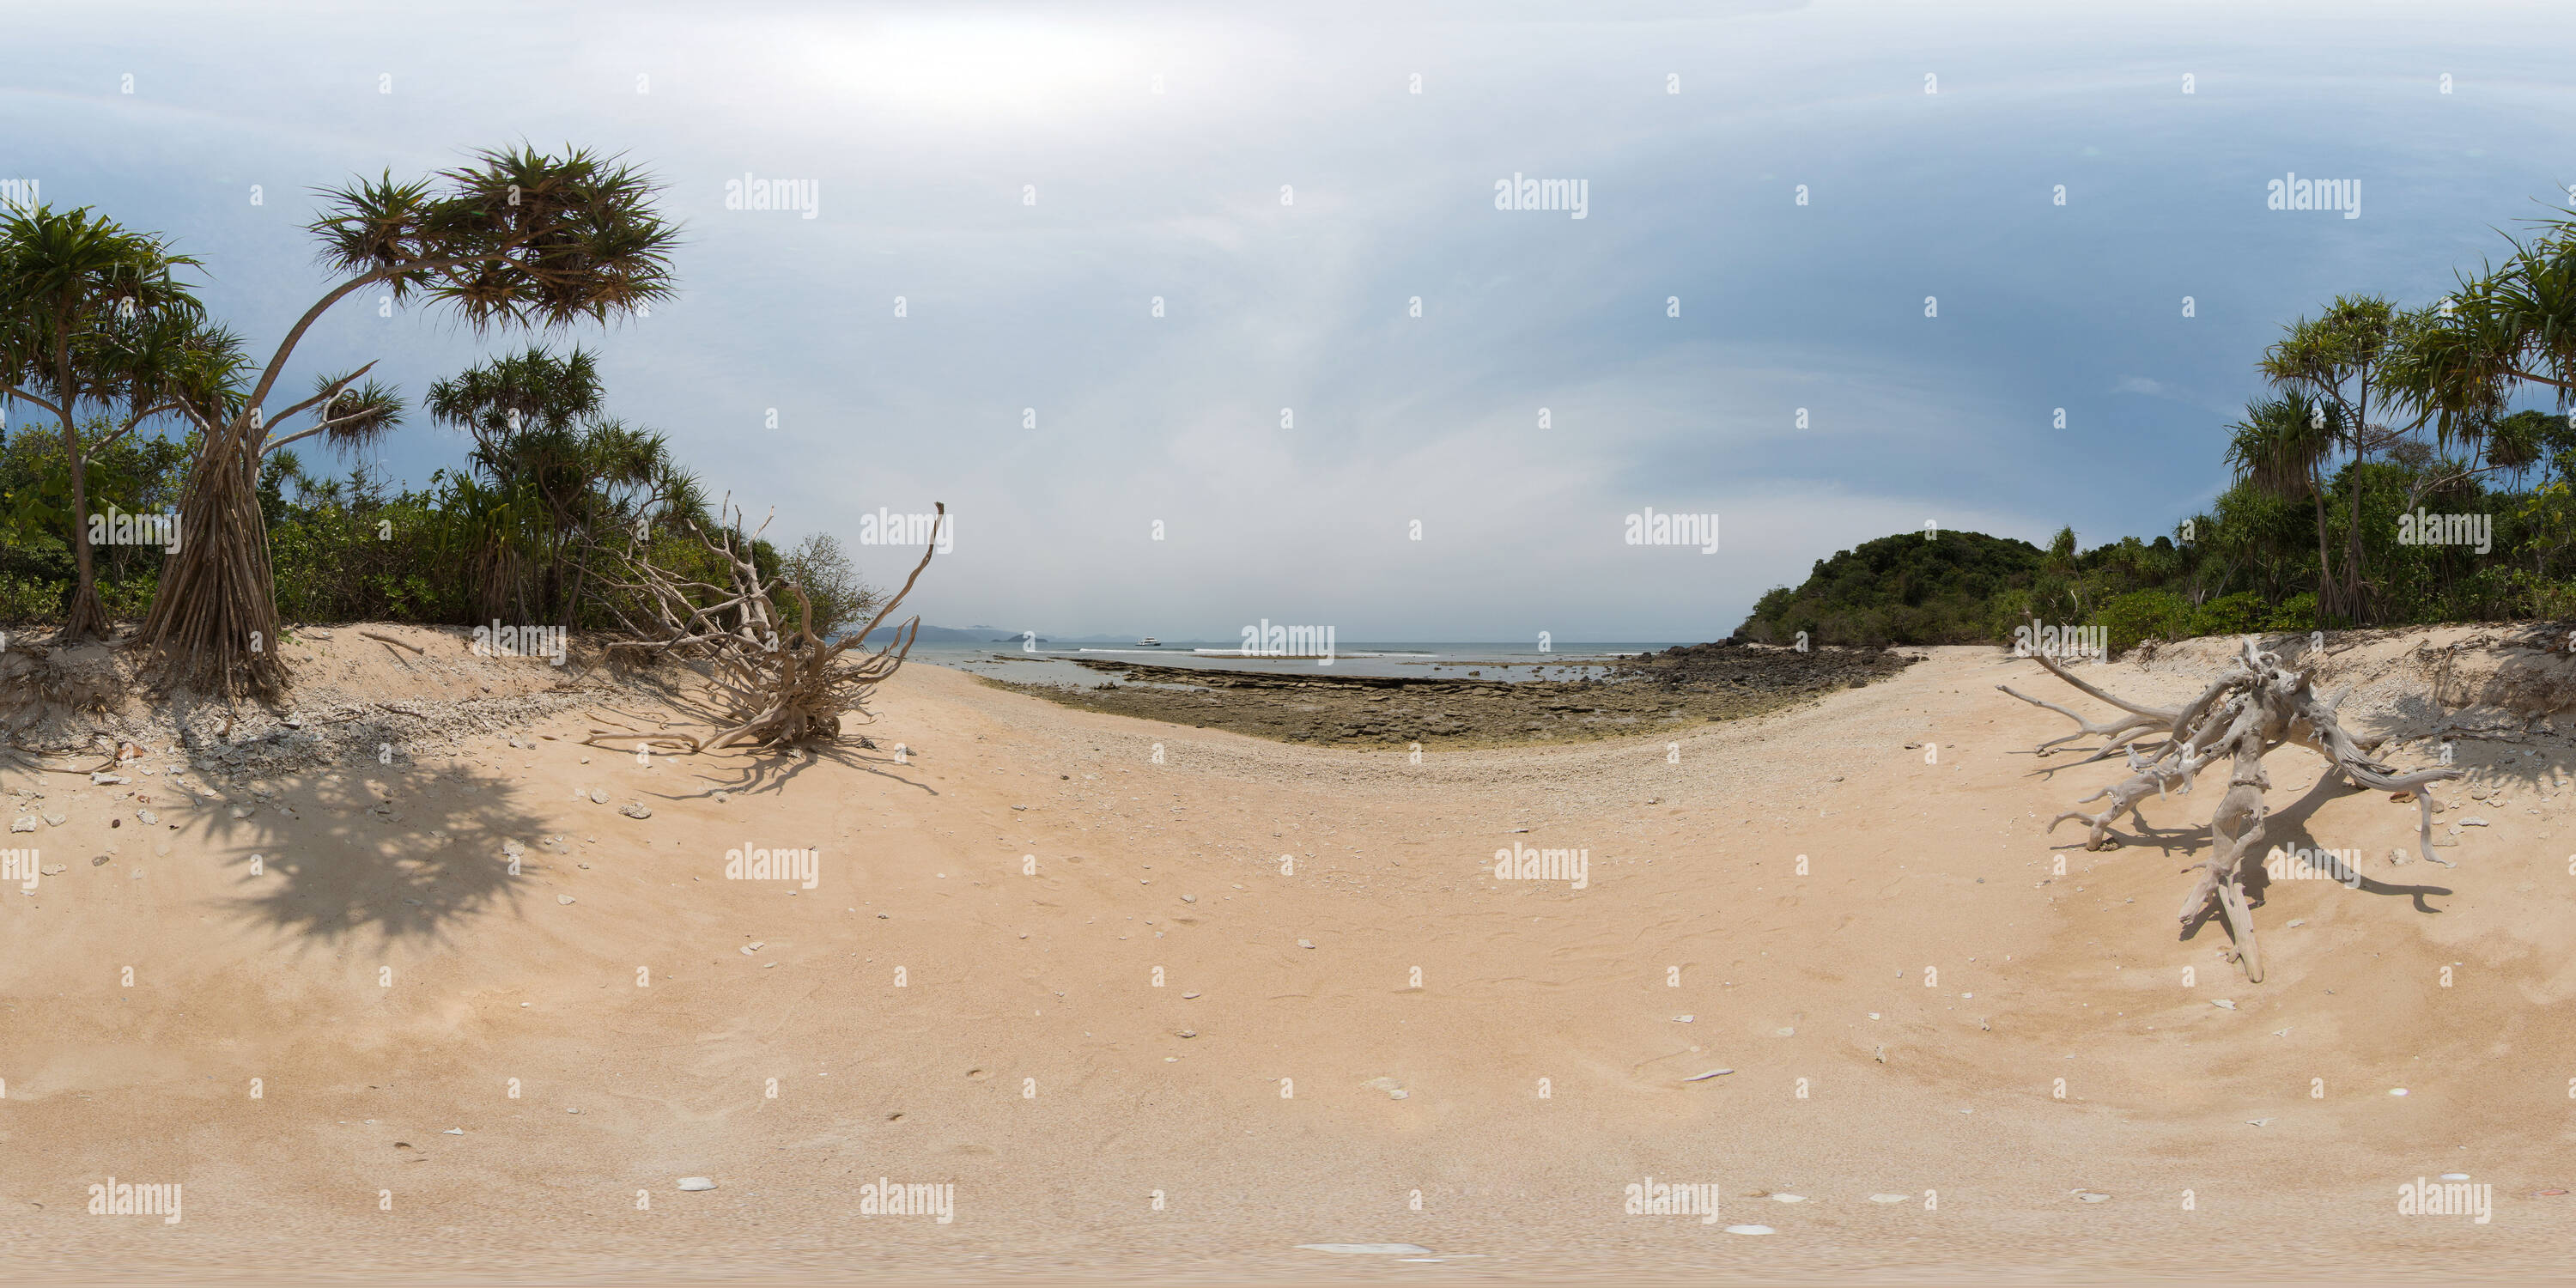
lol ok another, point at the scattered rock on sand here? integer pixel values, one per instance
(635, 809)
(23, 823)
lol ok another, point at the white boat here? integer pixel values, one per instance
(1149, 642)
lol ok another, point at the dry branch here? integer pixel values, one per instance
(2255, 706)
(776, 684)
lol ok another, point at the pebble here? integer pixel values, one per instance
(2455, 1176)
(2224, 1003)
(1189, 898)
(1889, 1198)
(2472, 821)
(1703, 1077)
(147, 818)
(53, 820)
(1788, 1198)
(563, 898)
(1184, 996)
(23, 823)
(598, 797)
(1684, 1019)
(635, 809)
(2089, 1196)
(694, 1183)
(1305, 943)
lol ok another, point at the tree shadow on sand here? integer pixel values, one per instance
(404, 850)
(770, 772)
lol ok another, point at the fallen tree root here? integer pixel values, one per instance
(2255, 706)
(776, 684)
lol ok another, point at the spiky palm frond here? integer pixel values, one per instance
(2282, 441)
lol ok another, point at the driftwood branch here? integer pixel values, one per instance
(777, 683)
(2257, 705)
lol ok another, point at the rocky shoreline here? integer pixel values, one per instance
(1648, 694)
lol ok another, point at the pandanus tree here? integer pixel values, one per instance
(2346, 365)
(516, 239)
(552, 477)
(95, 324)
(2508, 331)
(2281, 447)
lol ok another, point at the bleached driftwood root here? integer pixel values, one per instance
(2255, 706)
(777, 682)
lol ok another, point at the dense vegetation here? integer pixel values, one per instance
(120, 397)
(2384, 478)
(2249, 563)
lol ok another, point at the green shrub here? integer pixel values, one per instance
(2144, 614)
(2242, 613)
(2297, 613)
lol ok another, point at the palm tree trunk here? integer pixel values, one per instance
(86, 616)
(214, 622)
(2329, 596)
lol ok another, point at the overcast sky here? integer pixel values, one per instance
(1162, 143)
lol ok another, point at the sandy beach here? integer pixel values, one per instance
(1163, 1002)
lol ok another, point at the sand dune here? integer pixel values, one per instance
(931, 1011)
